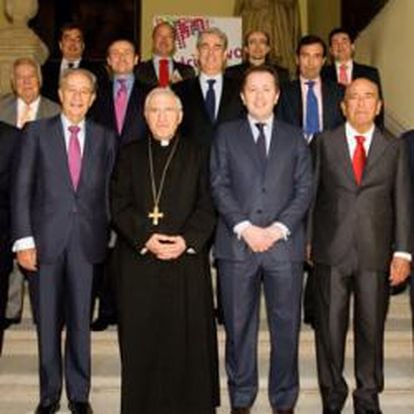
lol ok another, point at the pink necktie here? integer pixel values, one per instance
(343, 74)
(74, 155)
(121, 101)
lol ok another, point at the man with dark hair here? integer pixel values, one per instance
(60, 230)
(162, 69)
(261, 179)
(361, 243)
(256, 50)
(310, 102)
(71, 45)
(344, 69)
(119, 107)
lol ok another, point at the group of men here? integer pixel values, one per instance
(264, 173)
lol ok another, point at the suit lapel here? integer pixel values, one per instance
(248, 145)
(87, 156)
(340, 145)
(199, 101)
(378, 145)
(58, 147)
(226, 94)
(298, 101)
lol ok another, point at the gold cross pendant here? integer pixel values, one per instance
(155, 215)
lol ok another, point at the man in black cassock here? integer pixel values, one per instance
(164, 217)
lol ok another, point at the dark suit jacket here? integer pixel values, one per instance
(237, 71)
(51, 74)
(196, 123)
(45, 204)
(103, 112)
(242, 193)
(289, 109)
(145, 72)
(9, 140)
(373, 218)
(358, 71)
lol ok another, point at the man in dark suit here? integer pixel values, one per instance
(310, 102)
(361, 242)
(409, 139)
(120, 101)
(261, 179)
(119, 107)
(9, 138)
(162, 69)
(25, 104)
(344, 69)
(72, 46)
(211, 97)
(60, 229)
(256, 51)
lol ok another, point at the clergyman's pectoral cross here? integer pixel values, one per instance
(155, 215)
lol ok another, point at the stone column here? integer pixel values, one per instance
(17, 39)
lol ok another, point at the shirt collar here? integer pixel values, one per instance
(67, 123)
(304, 80)
(348, 64)
(21, 103)
(352, 132)
(267, 122)
(204, 78)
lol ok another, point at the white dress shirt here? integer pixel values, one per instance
(22, 107)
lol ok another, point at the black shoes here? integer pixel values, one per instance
(80, 407)
(47, 409)
(101, 323)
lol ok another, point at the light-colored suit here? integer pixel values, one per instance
(8, 109)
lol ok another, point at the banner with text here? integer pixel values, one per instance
(188, 28)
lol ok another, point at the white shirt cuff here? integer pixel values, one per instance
(24, 244)
(285, 231)
(239, 228)
(403, 255)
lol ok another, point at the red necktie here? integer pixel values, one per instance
(164, 76)
(343, 74)
(359, 158)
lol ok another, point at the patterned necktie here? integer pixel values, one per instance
(121, 101)
(25, 116)
(74, 155)
(312, 111)
(164, 75)
(343, 74)
(211, 100)
(261, 143)
(359, 158)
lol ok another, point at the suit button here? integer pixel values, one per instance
(264, 190)
(259, 211)
(74, 210)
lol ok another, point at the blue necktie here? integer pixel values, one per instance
(211, 100)
(261, 144)
(312, 112)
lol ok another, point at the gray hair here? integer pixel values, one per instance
(25, 61)
(213, 31)
(163, 91)
(87, 73)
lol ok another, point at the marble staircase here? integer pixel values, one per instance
(18, 369)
